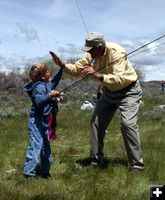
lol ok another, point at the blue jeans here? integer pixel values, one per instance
(38, 151)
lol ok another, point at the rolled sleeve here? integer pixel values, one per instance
(76, 69)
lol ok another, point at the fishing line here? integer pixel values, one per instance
(87, 76)
(81, 16)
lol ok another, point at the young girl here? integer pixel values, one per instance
(40, 91)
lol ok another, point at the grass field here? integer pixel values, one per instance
(70, 180)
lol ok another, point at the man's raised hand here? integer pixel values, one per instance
(57, 60)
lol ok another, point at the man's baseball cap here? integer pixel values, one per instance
(92, 40)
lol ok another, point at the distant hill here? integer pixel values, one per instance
(151, 88)
(14, 83)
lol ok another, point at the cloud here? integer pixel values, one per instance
(147, 59)
(150, 55)
(150, 59)
(29, 33)
(57, 25)
(11, 63)
(70, 50)
(154, 72)
(18, 62)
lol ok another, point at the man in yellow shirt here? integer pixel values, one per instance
(108, 63)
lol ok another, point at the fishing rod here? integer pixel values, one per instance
(68, 88)
(111, 63)
(163, 43)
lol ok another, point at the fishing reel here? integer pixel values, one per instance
(55, 100)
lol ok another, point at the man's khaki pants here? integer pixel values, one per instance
(127, 101)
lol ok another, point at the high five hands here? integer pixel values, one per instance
(57, 60)
(87, 70)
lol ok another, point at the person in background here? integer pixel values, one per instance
(108, 63)
(40, 91)
(163, 86)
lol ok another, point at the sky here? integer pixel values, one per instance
(30, 29)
